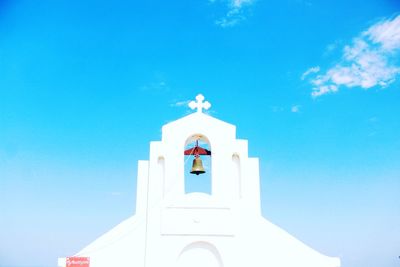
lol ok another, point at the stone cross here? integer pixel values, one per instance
(199, 104)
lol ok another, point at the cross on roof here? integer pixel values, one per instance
(199, 104)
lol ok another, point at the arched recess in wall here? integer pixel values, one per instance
(199, 254)
(236, 175)
(161, 174)
(197, 183)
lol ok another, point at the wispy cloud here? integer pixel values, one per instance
(180, 103)
(373, 119)
(295, 109)
(330, 48)
(279, 109)
(235, 13)
(310, 71)
(157, 84)
(370, 60)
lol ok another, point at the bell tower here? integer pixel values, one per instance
(195, 217)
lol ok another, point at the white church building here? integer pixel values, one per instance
(222, 228)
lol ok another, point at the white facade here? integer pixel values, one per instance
(221, 229)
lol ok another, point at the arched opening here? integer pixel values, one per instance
(199, 254)
(236, 175)
(161, 173)
(197, 181)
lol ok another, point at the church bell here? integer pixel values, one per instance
(197, 167)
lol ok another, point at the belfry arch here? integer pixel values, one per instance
(201, 183)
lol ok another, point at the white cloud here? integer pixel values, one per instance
(387, 33)
(232, 18)
(369, 61)
(180, 103)
(324, 89)
(241, 3)
(309, 71)
(235, 13)
(295, 109)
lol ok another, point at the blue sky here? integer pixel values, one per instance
(313, 85)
